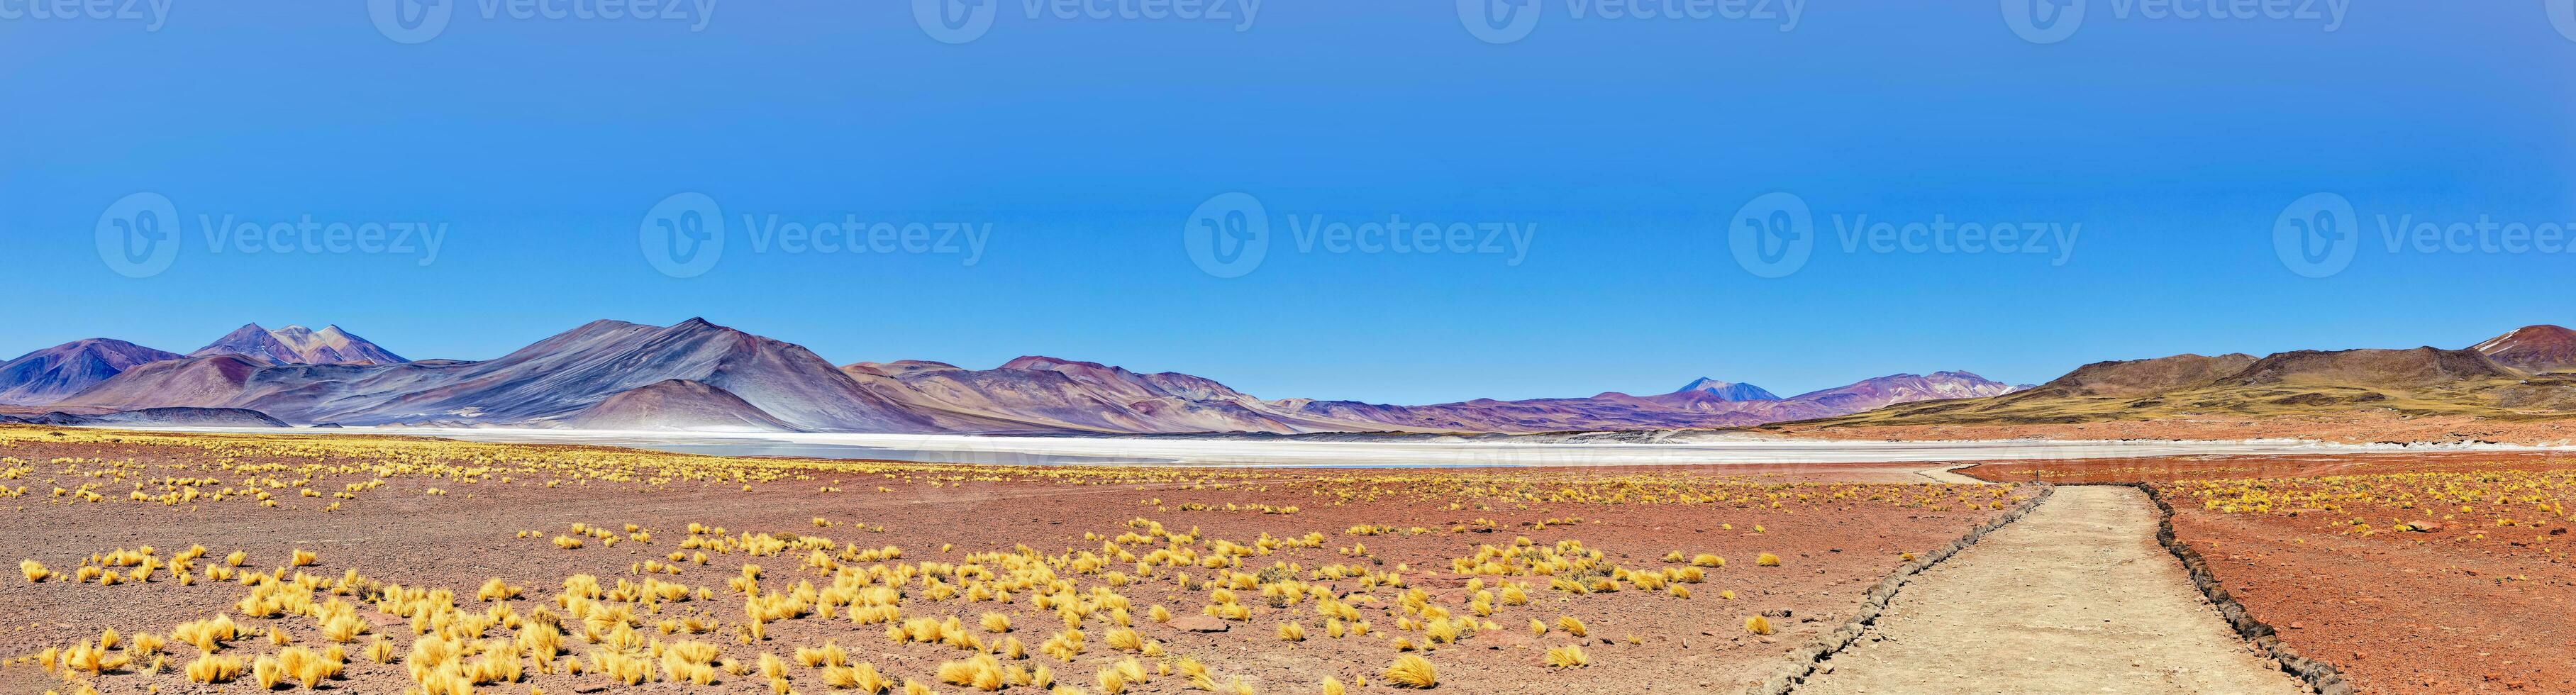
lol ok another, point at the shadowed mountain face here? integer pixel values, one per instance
(1049, 394)
(2509, 376)
(155, 417)
(299, 345)
(49, 375)
(676, 405)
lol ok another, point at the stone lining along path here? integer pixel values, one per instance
(2077, 597)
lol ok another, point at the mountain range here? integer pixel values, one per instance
(2522, 375)
(52, 374)
(696, 375)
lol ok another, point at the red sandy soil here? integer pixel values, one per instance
(2466, 606)
(2357, 428)
(1833, 551)
(2402, 613)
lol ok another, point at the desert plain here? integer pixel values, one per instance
(205, 563)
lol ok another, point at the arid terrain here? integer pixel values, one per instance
(200, 563)
(382, 565)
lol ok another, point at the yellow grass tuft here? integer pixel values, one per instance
(1292, 632)
(1758, 625)
(1767, 560)
(1573, 627)
(211, 669)
(496, 590)
(36, 571)
(863, 678)
(981, 673)
(304, 558)
(268, 672)
(1569, 656)
(1413, 672)
(1125, 640)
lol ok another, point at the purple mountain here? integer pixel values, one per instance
(49, 375)
(300, 345)
(539, 384)
(1729, 390)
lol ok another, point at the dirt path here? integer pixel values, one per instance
(1949, 475)
(2077, 597)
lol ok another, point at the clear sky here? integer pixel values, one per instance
(1616, 154)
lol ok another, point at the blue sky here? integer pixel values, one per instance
(1615, 155)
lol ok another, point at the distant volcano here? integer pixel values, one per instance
(1729, 390)
(300, 345)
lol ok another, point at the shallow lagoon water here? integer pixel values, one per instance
(1343, 453)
